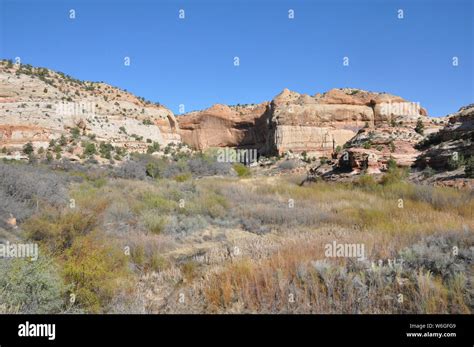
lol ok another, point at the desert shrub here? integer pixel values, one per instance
(420, 127)
(89, 149)
(105, 150)
(155, 147)
(153, 221)
(241, 169)
(367, 144)
(174, 169)
(394, 175)
(182, 177)
(118, 216)
(469, 170)
(288, 164)
(212, 204)
(203, 166)
(435, 253)
(28, 148)
(349, 286)
(131, 169)
(96, 270)
(455, 162)
(58, 230)
(367, 182)
(76, 132)
(189, 269)
(157, 202)
(255, 226)
(31, 287)
(24, 188)
(182, 224)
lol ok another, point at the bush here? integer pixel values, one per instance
(455, 162)
(420, 127)
(153, 222)
(394, 176)
(31, 287)
(131, 169)
(58, 231)
(288, 164)
(28, 148)
(25, 187)
(366, 182)
(241, 169)
(203, 166)
(469, 170)
(97, 272)
(89, 149)
(155, 147)
(75, 132)
(394, 173)
(181, 224)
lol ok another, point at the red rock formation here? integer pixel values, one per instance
(224, 126)
(297, 122)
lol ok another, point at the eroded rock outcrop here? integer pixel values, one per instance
(298, 122)
(454, 142)
(319, 124)
(225, 126)
(38, 104)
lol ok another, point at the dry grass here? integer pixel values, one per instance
(262, 241)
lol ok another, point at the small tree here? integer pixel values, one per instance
(75, 132)
(155, 147)
(49, 157)
(63, 140)
(28, 148)
(420, 127)
(89, 149)
(391, 164)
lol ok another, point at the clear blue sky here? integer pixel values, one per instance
(190, 61)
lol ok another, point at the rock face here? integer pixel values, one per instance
(224, 126)
(372, 148)
(297, 122)
(318, 124)
(454, 141)
(38, 104)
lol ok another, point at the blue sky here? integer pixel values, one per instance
(191, 61)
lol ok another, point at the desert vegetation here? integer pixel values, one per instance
(191, 235)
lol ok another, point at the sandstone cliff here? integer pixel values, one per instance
(225, 126)
(298, 122)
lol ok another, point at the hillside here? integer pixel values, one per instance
(38, 105)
